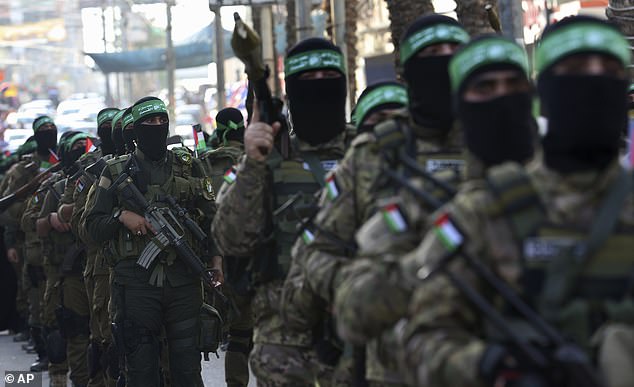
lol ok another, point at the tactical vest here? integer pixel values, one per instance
(396, 136)
(181, 185)
(603, 288)
(218, 161)
(294, 186)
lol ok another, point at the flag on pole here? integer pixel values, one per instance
(199, 139)
(90, 146)
(53, 157)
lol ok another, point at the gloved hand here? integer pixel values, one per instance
(499, 367)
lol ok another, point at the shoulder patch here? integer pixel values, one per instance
(231, 175)
(332, 190)
(394, 218)
(104, 182)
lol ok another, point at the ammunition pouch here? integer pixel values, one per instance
(36, 275)
(326, 343)
(74, 259)
(56, 347)
(209, 330)
(94, 358)
(71, 324)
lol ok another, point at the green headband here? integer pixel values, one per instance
(37, 124)
(106, 115)
(68, 143)
(438, 33)
(485, 52)
(581, 37)
(230, 125)
(311, 60)
(144, 109)
(379, 96)
(117, 117)
(127, 120)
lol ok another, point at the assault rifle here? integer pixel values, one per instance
(246, 45)
(560, 353)
(168, 228)
(29, 188)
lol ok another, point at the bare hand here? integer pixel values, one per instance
(219, 275)
(57, 223)
(259, 136)
(12, 255)
(134, 222)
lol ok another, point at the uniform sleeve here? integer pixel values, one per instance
(12, 216)
(441, 339)
(207, 205)
(334, 228)
(81, 195)
(240, 222)
(99, 223)
(27, 222)
(371, 295)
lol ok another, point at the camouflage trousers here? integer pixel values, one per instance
(98, 292)
(240, 342)
(280, 366)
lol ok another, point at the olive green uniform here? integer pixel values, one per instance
(240, 322)
(257, 218)
(167, 294)
(68, 256)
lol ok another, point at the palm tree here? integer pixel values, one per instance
(402, 13)
(473, 15)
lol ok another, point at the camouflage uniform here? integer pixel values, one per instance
(68, 258)
(240, 322)
(281, 356)
(51, 296)
(445, 336)
(97, 281)
(360, 184)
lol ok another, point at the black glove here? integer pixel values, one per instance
(500, 367)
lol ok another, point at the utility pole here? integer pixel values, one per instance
(220, 57)
(304, 25)
(170, 62)
(109, 101)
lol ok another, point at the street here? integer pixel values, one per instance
(13, 358)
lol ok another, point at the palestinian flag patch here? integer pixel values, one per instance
(308, 236)
(394, 218)
(80, 185)
(230, 176)
(447, 232)
(331, 187)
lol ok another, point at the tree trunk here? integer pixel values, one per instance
(402, 13)
(473, 16)
(621, 13)
(351, 40)
(291, 24)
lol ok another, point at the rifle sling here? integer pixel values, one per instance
(562, 273)
(315, 167)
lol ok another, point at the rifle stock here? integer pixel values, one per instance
(28, 188)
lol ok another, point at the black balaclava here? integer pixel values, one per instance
(317, 106)
(151, 139)
(129, 136)
(502, 128)
(428, 85)
(230, 125)
(70, 155)
(104, 130)
(46, 139)
(382, 95)
(117, 135)
(587, 114)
